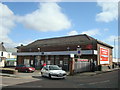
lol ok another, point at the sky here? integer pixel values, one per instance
(25, 22)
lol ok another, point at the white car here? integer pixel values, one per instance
(53, 71)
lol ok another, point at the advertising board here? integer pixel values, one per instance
(104, 55)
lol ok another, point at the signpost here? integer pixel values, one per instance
(78, 51)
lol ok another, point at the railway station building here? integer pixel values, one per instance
(58, 51)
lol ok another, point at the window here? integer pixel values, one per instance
(26, 61)
(54, 67)
(48, 62)
(42, 62)
(57, 57)
(52, 57)
(61, 62)
(46, 57)
(1, 53)
(31, 62)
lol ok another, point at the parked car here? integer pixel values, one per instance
(53, 71)
(25, 68)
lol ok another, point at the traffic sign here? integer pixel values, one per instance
(78, 51)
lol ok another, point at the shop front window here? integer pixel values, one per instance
(26, 61)
(52, 59)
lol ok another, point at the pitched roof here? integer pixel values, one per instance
(81, 39)
(103, 43)
(67, 40)
(2, 48)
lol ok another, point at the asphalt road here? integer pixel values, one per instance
(104, 80)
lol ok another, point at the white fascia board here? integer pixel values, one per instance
(84, 52)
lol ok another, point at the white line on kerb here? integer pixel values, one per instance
(3, 85)
(99, 82)
(22, 86)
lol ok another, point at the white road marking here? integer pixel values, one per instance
(81, 84)
(99, 82)
(95, 82)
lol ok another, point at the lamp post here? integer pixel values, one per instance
(30, 56)
(115, 56)
(38, 59)
(68, 49)
(39, 49)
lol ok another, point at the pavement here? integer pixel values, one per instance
(96, 72)
(37, 73)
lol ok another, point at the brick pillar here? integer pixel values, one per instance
(72, 63)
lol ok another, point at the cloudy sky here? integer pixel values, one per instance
(25, 22)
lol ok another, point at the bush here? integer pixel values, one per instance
(8, 70)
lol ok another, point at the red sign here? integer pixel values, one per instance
(104, 55)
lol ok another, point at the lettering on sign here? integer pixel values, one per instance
(86, 60)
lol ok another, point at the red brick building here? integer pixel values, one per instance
(58, 50)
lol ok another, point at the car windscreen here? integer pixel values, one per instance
(27, 66)
(54, 68)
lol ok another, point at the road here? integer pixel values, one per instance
(104, 80)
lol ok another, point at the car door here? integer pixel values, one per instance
(17, 67)
(23, 68)
(45, 71)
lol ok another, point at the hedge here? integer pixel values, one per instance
(8, 70)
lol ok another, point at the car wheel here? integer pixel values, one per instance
(41, 74)
(63, 78)
(26, 71)
(50, 76)
(18, 70)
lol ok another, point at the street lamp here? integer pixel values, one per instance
(39, 49)
(37, 62)
(39, 52)
(78, 46)
(30, 55)
(68, 49)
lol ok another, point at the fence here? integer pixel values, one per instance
(81, 66)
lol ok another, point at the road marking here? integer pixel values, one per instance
(99, 82)
(81, 84)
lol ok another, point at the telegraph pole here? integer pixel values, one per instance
(114, 50)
